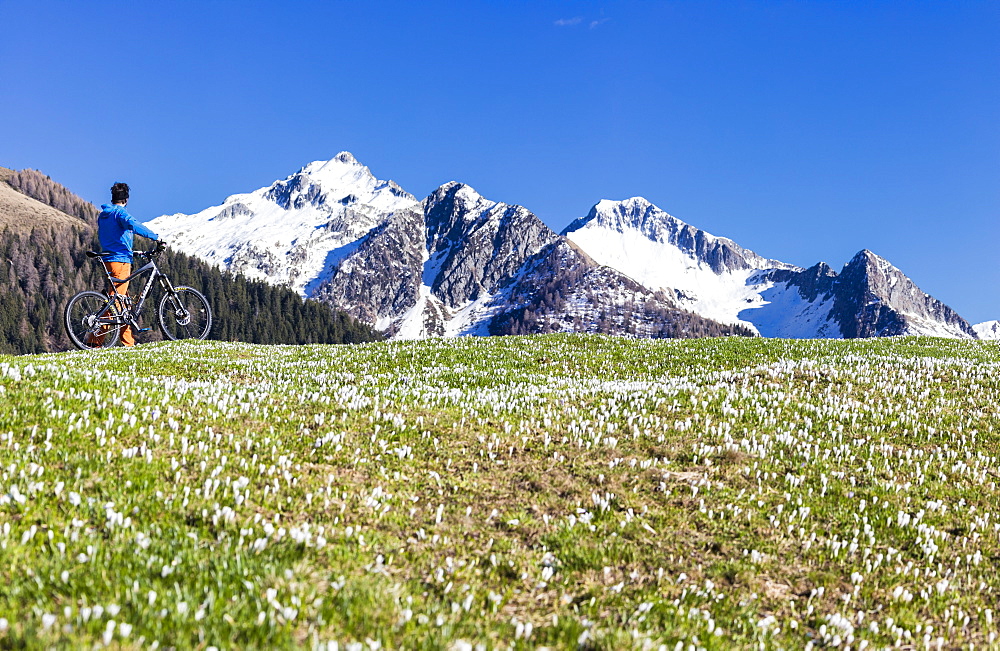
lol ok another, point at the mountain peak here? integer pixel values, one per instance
(865, 254)
(343, 179)
(632, 203)
(450, 188)
(459, 194)
(867, 260)
(342, 165)
(876, 299)
(633, 213)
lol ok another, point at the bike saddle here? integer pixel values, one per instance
(98, 254)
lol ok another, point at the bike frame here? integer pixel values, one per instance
(132, 314)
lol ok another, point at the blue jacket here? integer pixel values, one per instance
(115, 228)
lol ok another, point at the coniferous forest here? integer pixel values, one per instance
(42, 267)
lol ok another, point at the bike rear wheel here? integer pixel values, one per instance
(184, 314)
(92, 321)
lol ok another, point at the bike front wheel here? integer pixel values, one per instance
(184, 314)
(92, 321)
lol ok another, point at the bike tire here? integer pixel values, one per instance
(83, 320)
(184, 314)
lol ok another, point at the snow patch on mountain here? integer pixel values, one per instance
(922, 326)
(989, 330)
(783, 311)
(662, 266)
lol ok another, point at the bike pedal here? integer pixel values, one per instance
(144, 329)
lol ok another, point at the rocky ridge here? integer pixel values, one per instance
(871, 298)
(717, 278)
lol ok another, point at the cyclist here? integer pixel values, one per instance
(115, 230)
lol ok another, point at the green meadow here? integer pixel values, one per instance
(555, 491)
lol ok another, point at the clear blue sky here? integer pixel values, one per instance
(805, 131)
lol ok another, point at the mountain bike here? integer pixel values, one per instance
(96, 320)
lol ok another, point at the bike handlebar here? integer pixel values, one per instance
(100, 256)
(153, 252)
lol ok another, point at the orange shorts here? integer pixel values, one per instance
(122, 270)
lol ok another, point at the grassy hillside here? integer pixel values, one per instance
(550, 491)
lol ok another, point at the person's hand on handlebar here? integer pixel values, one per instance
(159, 247)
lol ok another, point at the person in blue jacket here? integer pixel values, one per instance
(115, 230)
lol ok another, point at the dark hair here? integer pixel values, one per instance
(119, 192)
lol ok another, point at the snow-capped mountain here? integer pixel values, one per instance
(988, 330)
(457, 263)
(710, 275)
(465, 265)
(295, 231)
(715, 277)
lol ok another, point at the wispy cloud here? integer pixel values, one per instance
(580, 20)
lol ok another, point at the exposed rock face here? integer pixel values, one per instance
(296, 192)
(561, 289)
(232, 211)
(814, 282)
(871, 298)
(875, 299)
(475, 245)
(412, 276)
(381, 279)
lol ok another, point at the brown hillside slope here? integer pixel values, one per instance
(20, 213)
